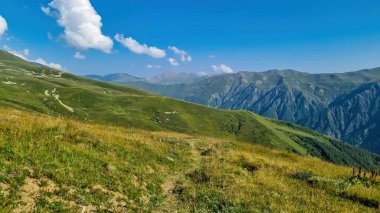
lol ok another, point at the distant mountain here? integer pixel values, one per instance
(38, 64)
(344, 105)
(42, 90)
(116, 78)
(175, 78)
(355, 117)
(166, 78)
(73, 144)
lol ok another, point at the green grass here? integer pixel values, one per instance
(123, 149)
(23, 86)
(62, 165)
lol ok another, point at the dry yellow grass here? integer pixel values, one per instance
(58, 164)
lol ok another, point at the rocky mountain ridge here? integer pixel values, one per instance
(342, 105)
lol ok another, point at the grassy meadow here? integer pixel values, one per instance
(29, 87)
(71, 144)
(54, 164)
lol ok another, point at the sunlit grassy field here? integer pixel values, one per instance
(70, 144)
(38, 89)
(64, 165)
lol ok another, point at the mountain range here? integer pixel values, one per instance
(44, 90)
(73, 144)
(342, 105)
(166, 78)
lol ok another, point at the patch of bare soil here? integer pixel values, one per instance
(4, 188)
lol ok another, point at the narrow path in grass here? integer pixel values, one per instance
(168, 187)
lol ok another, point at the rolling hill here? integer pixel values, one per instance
(297, 97)
(69, 143)
(51, 164)
(40, 89)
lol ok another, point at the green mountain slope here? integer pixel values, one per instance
(70, 144)
(40, 89)
(50, 164)
(166, 78)
(297, 97)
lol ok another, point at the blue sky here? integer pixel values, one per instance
(243, 35)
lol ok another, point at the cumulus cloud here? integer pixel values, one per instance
(26, 52)
(150, 66)
(3, 26)
(23, 54)
(222, 68)
(82, 24)
(138, 48)
(52, 65)
(188, 58)
(184, 56)
(79, 55)
(173, 62)
(20, 55)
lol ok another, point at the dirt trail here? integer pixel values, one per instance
(171, 199)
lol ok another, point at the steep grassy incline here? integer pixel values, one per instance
(50, 164)
(26, 86)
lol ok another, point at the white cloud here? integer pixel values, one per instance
(212, 56)
(150, 66)
(50, 36)
(46, 10)
(222, 68)
(202, 73)
(79, 55)
(52, 65)
(3, 26)
(18, 54)
(24, 54)
(138, 48)
(184, 56)
(189, 58)
(82, 24)
(173, 62)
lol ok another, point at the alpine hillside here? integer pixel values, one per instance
(70, 144)
(344, 106)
